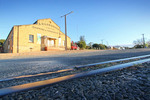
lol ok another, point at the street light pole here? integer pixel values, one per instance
(66, 29)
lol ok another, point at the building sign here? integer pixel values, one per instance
(45, 30)
(38, 38)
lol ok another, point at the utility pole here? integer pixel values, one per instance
(143, 41)
(66, 29)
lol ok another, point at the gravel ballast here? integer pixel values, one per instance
(37, 77)
(131, 83)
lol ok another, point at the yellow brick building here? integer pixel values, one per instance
(43, 35)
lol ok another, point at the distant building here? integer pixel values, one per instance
(43, 35)
(118, 47)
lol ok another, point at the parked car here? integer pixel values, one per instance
(74, 46)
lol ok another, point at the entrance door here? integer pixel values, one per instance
(52, 42)
(48, 43)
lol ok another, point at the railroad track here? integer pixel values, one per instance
(28, 82)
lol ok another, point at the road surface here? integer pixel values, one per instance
(25, 66)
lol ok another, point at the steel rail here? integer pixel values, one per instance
(112, 61)
(71, 69)
(39, 84)
(40, 74)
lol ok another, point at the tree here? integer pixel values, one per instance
(82, 38)
(99, 46)
(148, 43)
(138, 43)
(82, 43)
(90, 45)
(102, 46)
(138, 46)
(96, 46)
(2, 42)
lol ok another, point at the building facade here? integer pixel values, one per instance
(43, 35)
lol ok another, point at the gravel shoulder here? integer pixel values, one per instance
(130, 84)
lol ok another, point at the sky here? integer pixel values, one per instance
(113, 22)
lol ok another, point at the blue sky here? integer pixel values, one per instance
(118, 22)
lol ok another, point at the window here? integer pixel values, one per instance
(38, 38)
(31, 38)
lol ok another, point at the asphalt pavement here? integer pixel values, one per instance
(25, 66)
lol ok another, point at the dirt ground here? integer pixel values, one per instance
(41, 53)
